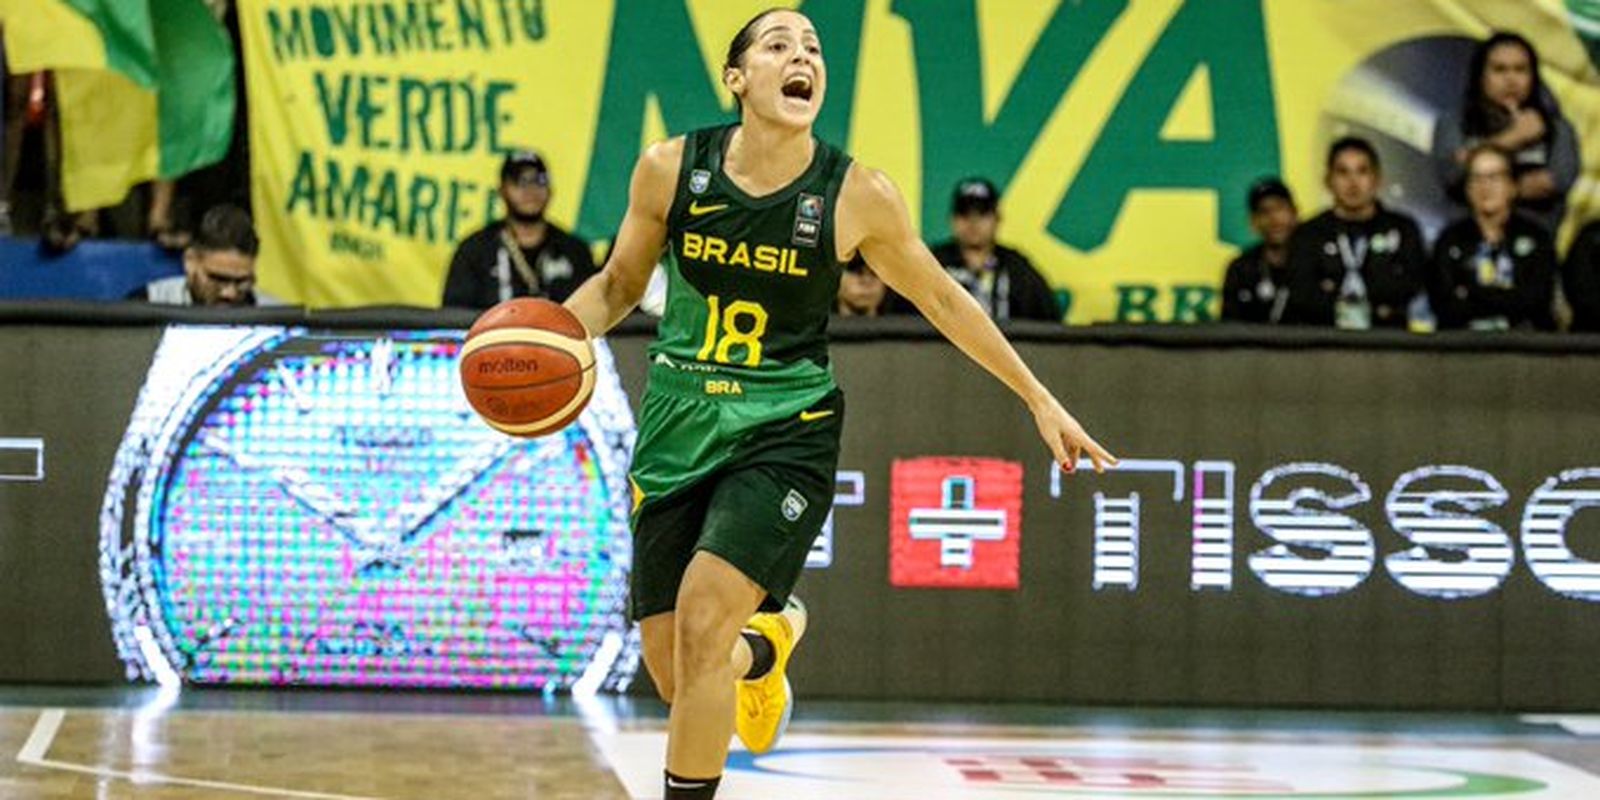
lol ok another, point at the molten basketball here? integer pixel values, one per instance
(527, 367)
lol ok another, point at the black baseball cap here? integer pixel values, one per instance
(1265, 188)
(974, 194)
(520, 161)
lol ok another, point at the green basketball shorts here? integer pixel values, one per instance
(750, 481)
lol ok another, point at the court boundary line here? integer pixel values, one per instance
(42, 735)
(49, 724)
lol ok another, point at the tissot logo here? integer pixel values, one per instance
(955, 522)
(1317, 517)
(1308, 528)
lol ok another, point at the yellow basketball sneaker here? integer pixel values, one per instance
(766, 703)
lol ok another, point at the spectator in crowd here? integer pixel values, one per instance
(1256, 284)
(523, 255)
(1495, 269)
(1580, 277)
(1000, 278)
(219, 265)
(1507, 105)
(863, 294)
(1357, 265)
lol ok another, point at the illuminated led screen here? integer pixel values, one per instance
(1321, 549)
(300, 507)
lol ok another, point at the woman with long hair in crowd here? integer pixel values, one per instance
(1506, 104)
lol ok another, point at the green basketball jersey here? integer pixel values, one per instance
(751, 280)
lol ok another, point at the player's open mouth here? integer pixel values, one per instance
(797, 87)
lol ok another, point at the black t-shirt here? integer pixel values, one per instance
(1254, 290)
(1010, 289)
(1510, 284)
(1387, 250)
(1580, 277)
(483, 273)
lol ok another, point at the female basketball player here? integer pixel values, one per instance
(733, 473)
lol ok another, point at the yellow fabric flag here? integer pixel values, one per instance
(110, 136)
(49, 35)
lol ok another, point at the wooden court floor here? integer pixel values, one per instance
(58, 743)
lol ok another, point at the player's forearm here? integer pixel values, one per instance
(601, 302)
(959, 317)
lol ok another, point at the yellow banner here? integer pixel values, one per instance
(1122, 133)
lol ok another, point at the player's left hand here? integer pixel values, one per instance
(1067, 439)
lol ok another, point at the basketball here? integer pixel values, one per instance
(527, 367)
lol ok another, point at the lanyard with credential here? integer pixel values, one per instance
(520, 261)
(1353, 254)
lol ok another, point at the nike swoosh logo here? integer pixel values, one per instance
(813, 416)
(697, 210)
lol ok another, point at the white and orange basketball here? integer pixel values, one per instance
(527, 367)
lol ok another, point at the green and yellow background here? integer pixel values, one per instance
(1123, 133)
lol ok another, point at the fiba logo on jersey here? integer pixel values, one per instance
(808, 220)
(699, 180)
(810, 207)
(955, 523)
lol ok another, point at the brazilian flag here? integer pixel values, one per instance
(145, 88)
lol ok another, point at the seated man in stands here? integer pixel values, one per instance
(1357, 265)
(523, 255)
(1256, 284)
(1001, 279)
(219, 265)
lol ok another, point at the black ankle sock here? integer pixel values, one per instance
(762, 656)
(691, 788)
